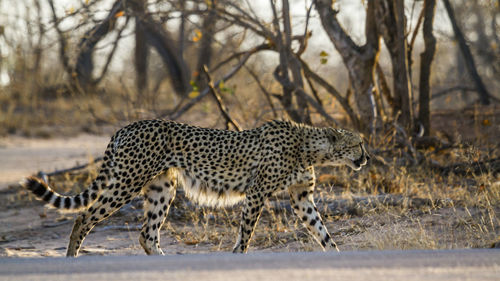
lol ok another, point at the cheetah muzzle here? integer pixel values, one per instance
(214, 167)
(361, 161)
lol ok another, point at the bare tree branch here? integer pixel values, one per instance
(359, 60)
(307, 33)
(141, 54)
(426, 59)
(415, 32)
(159, 39)
(293, 88)
(203, 93)
(332, 91)
(484, 95)
(384, 86)
(84, 64)
(343, 42)
(264, 91)
(63, 56)
(219, 102)
(111, 54)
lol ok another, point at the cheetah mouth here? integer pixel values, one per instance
(361, 161)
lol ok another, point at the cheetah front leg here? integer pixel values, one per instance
(301, 199)
(249, 217)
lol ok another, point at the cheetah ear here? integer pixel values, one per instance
(333, 135)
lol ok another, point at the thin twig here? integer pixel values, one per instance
(112, 53)
(263, 89)
(332, 91)
(44, 175)
(452, 89)
(307, 34)
(205, 91)
(384, 86)
(219, 102)
(415, 32)
(293, 88)
(313, 90)
(264, 46)
(62, 40)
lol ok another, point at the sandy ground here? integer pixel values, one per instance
(21, 156)
(24, 228)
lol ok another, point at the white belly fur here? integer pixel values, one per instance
(213, 196)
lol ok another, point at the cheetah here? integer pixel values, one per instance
(214, 167)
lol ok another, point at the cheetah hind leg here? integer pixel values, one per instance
(249, 218)
(158, 195)
(105, 205)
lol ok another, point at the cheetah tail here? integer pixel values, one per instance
(67, 203)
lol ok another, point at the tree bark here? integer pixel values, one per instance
(84, 61)
(484, 95)
(205, 47)
(160, 39)
(426, 58)
(294, 65)
(391, 23)
(281, 72)
(359, 60)
(141, 54)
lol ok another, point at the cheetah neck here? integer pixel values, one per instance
(311, 152)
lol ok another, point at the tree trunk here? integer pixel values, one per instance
(359, 60)
(391, 22)
(288, 63)
(294, 65)
(159, 39)
(484, 96)
(141, 55)
(205, 47)
(425, 66)
(84, 61)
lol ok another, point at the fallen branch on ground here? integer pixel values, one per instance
(360, 205)
(43, 175)
(468, 169)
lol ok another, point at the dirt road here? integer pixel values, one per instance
(371, 265)
(23, 156)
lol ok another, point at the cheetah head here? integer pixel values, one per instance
(344, 148)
